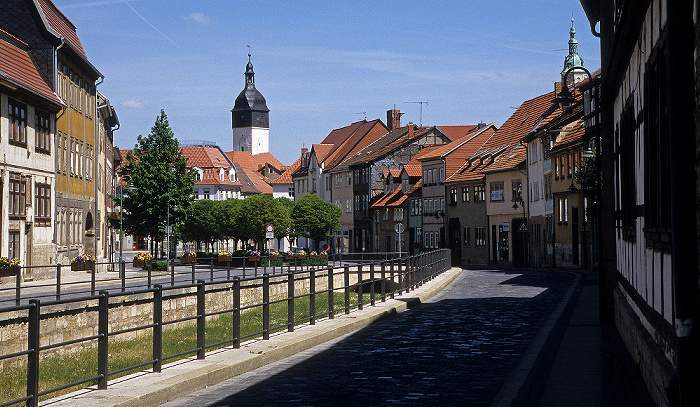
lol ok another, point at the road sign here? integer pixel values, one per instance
(325, 247)
(270, 232)
(399, 228)
(523, 227)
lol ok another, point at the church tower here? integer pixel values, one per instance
(573, 60)
(250, 118)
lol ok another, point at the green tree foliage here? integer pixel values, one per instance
(201, 224)
(315, 218)
(158, 172)
(590, 180)
(258, 211)
(226, 214)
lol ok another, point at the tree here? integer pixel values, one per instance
(201, 224)
(288, 231)
(226, 214)
(255, 213)
(315, 218)
(158, 172)
(590, 180)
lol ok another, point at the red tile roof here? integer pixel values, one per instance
(456, 153)
(210, 160)
(60, 23)
(321, 151)
(18, 68)
(457, 132)
(263, 159)
(286, 177)
(347, 141)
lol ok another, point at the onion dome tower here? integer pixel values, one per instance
(250, 117)
(573, 60)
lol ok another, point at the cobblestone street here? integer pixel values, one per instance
(457, 349)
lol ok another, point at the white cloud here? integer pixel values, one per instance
(132, 104)
(199, 18)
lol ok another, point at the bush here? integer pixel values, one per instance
(160, 266)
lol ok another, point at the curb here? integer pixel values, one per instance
(188, 375)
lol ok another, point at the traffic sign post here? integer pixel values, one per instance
(399, 228)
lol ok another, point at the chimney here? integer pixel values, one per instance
(393, 119)
(410, 129)
(557, 88)
(304, 157)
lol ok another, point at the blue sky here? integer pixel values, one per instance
(323, 64)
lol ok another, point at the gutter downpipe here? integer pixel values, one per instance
(55, 167)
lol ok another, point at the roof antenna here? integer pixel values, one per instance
(364, 114)
(420, 123)
(248, 52)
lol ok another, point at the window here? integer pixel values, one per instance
(569, 165)
(348, 179)
(43, 132)
(496, 188)
(480, 236)
(626, 160)
(17, 113)
(442, 204)
(385, 214)
(548, 187)
(14, 244)
(18, 195)
(442, 175)
(657, 168)
(376, 216)
(398, 214)
(465, 194)
(517, 189)
(453, 196)
(404, 186)
(206, 193)
(419, 235)
(479, 193)
(42, 213)
(347, 206)
(467, 235)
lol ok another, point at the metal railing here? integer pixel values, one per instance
(242, 266)
(382, 279)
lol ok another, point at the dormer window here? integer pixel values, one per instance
(199, 174)
(232, 175)
(221, 174)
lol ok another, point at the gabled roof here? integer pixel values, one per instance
(321, 151)
(457, 132)
(264, 159)
(530, 115)
(60, 23)
(348, 141)
(571, 134)
(252, 182)
(457, 152)
(211, 160)
(512, 160)
(17, 68)
(387, 144)
(286, 177)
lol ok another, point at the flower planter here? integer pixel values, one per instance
(254, 258)
(274, 258)
(188, 260)
(302, 257)
(289, 257)
(138, 263)
(82, 265)
(224, 259)
(9, 271)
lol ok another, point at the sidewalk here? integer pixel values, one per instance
(582, 362)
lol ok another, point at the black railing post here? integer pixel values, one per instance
(243, 266)
(18, 287)
(402, 280)
(172, 272)
(157, 328)
(236, 313)
(58, 281)
(371, 287)
(122, 274)
(201, 309)
(193, 271)
(392, 278)
(312, 296)
(92, 282)
(383, 280)
(150, 276)
(211, 269)
(290, 301)
(103, 340)
(228, 270)
(33, 356)
(359, 287)
(346, 276)
(266, 307)
(331, 304)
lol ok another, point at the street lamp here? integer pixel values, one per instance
(523, 228)
(167, 230)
